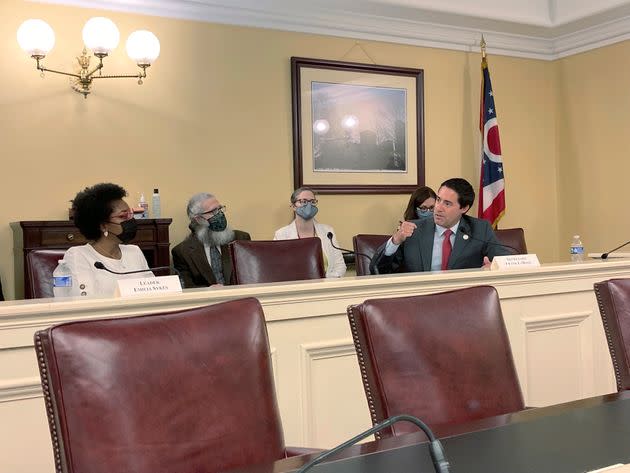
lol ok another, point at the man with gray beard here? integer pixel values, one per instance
(203, 258)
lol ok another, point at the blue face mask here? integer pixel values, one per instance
(422, 214)
(307, 211)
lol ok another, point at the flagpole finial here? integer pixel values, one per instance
(482, 44)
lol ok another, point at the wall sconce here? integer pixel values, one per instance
(100, 35)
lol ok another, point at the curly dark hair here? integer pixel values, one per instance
(419, 195)
(93, 206)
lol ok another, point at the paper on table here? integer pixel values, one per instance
(618, 468)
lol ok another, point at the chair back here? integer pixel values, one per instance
(40, 265)
(514, 238)
(444, 358)
(613, 299)
(366, 244)
(183, 392)
(278, 260)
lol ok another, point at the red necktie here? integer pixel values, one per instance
(446, 248)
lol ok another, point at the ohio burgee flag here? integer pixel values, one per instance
(492, 182)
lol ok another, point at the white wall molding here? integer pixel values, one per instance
(20, 389)
(378, 21)
(594, 37)
(555, 321)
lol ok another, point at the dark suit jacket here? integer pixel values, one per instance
(415, 253)
(190, 260)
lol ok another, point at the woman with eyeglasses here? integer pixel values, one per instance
(304, 225)
(421, 204)
(105, 219)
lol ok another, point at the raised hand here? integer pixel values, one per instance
(404, 231)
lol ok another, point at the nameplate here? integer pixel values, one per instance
(145, 286)
(515, 262)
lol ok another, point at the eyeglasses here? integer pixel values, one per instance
(214, 212)
(124, 214)
(301, 202)
(422, 208)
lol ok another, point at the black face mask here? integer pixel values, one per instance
(129, 229)
(218, 223)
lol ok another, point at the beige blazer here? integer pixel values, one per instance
(336, 266)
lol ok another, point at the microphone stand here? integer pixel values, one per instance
(435, 446)
(330, 237)
(99, 265)
(605, 255)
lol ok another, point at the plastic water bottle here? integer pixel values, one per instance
(62, 280)
(157, 209)
(577, 249)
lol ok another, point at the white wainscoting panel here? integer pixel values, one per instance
(556, 379)
(329, 374)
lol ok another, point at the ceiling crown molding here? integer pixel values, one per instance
(592, 38)
(380, 21)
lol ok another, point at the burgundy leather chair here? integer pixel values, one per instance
(366, 244)
(278, 260)
(513, 237)
(444, 358)
(187, 392)
(613, 298)
(40, 265)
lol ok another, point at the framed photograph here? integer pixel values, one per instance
(357, 128)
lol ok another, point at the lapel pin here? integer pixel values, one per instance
(465, 237)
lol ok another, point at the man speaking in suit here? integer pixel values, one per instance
(451, 240)
(203, 258)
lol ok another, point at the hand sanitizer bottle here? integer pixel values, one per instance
(145, 206)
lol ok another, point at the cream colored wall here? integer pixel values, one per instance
(594, 136)
(215, 114)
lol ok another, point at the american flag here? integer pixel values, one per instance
(492, 182)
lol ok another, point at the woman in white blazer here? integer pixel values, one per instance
(304, 205)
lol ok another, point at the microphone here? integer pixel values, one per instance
(605, 255)
(435, 446)
(330, 237)
(99, 265)
(468, 235)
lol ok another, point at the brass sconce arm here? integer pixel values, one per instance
(42, 69)
(83, 79)
(139, 75)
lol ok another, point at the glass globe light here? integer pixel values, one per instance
(100, 35)
(36, 37)
(321, 126)
(349, 122)
(143, 47)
